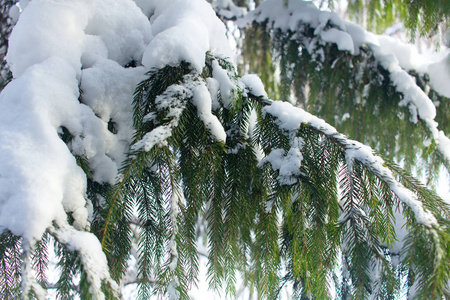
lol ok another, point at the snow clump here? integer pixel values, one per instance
(75, 65)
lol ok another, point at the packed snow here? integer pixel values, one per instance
(174, 97)
(288, 164)
(226, 87)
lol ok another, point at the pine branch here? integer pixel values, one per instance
(40, 259)
(368, 85)
(365, 172)
(151, 216)
(161, 94)
(69, 266)
(10, 266)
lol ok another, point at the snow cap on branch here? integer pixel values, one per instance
(185, 30)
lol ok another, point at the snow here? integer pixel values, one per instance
(14, 13)
(148, 7)
(360, 36)
(440, 76)
(342, 39)
(284, 17)
(32, 154)
(254, 84)
(213, 88)
(185, 30)
(108, 90)
(203, 102)
(85, 44)
(227, 88)
(175, 98)
(74, 44)
(92, 257)
(187, 41)
(288, 164)
(302, 12)
(444, 144)
(68, 60)
(23, 3)
(290, 118)
(50, 29)
(345, 117)
(407, 55)
(29, 279)
(122, 27)
(228, 9)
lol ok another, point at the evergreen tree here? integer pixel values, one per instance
(6, 26)
(127, 134)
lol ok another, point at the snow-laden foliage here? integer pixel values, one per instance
(126, 130)
(8, 16)
(298, 17)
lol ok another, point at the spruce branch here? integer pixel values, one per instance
(30, 286)
(353, 151)
(358, 160)
(69, 264)
(96, 281)
(376, 82)
(40, 259)
(159, 93)
(10, 265)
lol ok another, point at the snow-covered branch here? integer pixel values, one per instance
(397, 58)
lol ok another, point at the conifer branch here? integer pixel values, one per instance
(10, 265)
(69, 264)
(360, 188)
(378, 83)
(150, 132)
(276, 194)
(352, 150)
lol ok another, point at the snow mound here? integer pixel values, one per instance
(75, 65)
(185, 30)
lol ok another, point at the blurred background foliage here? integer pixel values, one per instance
(353, 92)
(422, 18)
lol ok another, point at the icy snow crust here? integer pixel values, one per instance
(68, 60)
(394, 56)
